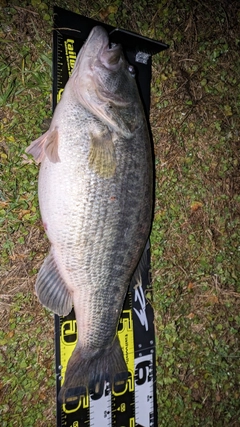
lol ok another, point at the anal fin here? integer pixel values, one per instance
(51, 288)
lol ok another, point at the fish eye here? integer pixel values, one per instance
(131, 70)
(113, 45)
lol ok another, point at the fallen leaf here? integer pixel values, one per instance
(23, 212)
(190, 286)
(195, 206)
(212, 299)
(190, 316)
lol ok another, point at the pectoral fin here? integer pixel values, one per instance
(102, 159)
(46, 144)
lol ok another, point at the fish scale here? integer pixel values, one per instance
(95, 195)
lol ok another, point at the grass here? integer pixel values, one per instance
(195, 236)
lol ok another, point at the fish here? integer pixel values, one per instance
(95, 190)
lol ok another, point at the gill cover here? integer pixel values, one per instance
(100, 78)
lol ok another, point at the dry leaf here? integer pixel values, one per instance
(190, 316)
(190, 286)
(195, 206)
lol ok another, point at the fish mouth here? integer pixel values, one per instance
(109, 54)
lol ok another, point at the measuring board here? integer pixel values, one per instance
(136, 405)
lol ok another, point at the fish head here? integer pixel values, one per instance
(104, 83)
(96, 51)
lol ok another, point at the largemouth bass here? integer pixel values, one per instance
(95, 197)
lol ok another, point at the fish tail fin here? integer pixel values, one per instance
(88, 373)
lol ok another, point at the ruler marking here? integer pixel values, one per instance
(144, 402)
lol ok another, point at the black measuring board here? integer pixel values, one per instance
(136, 406)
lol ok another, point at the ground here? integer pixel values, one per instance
(195, 239)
